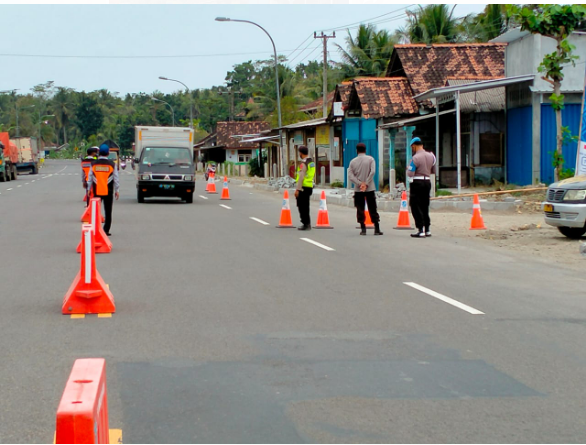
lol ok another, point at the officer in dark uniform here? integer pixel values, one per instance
(86, 163)
(421, 168)
(104, 182)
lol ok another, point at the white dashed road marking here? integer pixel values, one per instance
(315, 243)
(226, 207)
(18, 186)
(8, 189)
(445, 299)
(202, 197)
(264, 223)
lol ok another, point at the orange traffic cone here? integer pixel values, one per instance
(477, 223)
(88, 294)
(367, 221)
(101, 241)
(403, 223)
(323, 219)
(87, 215)
(225, 191)
(286, 222)
(211, 188)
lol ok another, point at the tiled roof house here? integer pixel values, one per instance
(429, 66)
(222, 137)
(380, 97)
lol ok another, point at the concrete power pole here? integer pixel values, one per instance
(325, 80)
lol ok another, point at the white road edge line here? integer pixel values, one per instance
(202, 197)
(445, 299)
(315, 243)
(264, 223)
(226, 207)
(61, 170)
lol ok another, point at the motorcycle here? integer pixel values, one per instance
(210, 169)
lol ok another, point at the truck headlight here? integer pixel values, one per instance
(188, 178)
(575, 195)
(145, 177)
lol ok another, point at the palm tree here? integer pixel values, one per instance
(432, 24)
(62, 107)
(487, 25)
(368, 53)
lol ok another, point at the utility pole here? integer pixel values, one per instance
(325, 38)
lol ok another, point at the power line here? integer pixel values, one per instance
(182, 56)
(367, 20)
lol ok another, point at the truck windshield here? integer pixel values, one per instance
(166, 156)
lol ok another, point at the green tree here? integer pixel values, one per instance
(89, 115)
(430, 24)
(557, 22)
(368, 53)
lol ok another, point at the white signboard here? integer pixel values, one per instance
(338, 111)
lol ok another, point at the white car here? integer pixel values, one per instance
(565, 206)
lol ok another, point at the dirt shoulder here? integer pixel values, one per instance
(522, 231)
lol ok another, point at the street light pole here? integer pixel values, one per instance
(226, 19)
(172, 111)
(40, 122)
(190, 98)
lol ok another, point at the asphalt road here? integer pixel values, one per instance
(229, 330)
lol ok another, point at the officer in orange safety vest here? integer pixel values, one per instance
(86, 163)
(104, 183)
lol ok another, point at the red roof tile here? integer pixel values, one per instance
(385, 97)
(225, 131)
(317, 104)
(429, 67)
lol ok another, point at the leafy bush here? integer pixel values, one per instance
(257, 170)
(337, 184)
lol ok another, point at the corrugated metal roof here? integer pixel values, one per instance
(482, 101)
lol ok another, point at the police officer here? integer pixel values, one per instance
(304, 188)
(86, 163)
(420, 170)
(103, 180)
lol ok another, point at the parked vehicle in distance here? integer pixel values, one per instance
(28, 154)
(163, 162)
(8, 158)
(565, 206)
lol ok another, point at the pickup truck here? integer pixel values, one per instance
(565, 206)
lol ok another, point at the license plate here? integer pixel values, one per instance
(167, 186)
(548, 208)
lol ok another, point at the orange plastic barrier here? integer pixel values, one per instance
(101, 240)
(87, 215)
(477, 222)
(285, 222)
(88, 294)
(225, 191)
(403, 223)
(323, 218)
(211, 187)
(82, 415)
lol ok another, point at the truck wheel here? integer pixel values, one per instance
(140, 196)
(3, 177)
(189, 198)
(14, 173)
(572, 232)
(35, 169)
(8, 175)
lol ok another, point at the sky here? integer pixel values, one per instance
(169, 30)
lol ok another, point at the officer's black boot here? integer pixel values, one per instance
(362, 229)
(377, 229)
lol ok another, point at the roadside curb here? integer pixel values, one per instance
(385, 205)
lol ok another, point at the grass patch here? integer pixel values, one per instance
(443, 193)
